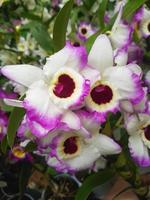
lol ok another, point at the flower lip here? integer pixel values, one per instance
(18, 152)
(65, 86)
(147, 132)
(70, 145)
(101, 94)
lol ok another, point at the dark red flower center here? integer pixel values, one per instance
(76, 44)
(64, 87)
(147, 132)
(101, 94)
(83, 31)
(70, 145)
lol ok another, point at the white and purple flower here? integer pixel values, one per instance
(109, 85)
(18, 153)
(51, 92)
(68, 150)
(141, 22)
(141, 106)
(71, 152)
(138, 127)
(121, 32)
(85, 30)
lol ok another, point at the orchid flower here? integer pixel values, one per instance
(85, 30)
(120, 37)
(120, 34)
(139, 138)
(17, 153)
(109, 85)
(53, 91)
(141, 106)
(71, 152)
(135, 53)
(141, 22)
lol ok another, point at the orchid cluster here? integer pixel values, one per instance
(71, 95)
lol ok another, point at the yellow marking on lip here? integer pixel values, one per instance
(18, 152)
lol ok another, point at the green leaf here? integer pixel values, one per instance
(60, 26)
(110, 24)
(51, 171)
(42, 36)
(131, 7)
(93, 181)
(89, 3)
(30, 15)
(6, 108)
(23, 178)
(15, 119)
(101, 13)
(4, 144)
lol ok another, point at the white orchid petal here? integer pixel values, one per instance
(55, 62)
(132, 124)
(71, 120)
(143, 104)
(127, 83)
(100, 164)
(101, 54)
(146, 14)
(139, 151)
(13, 102)
(120, 57)
(91, 74)
(84, 160)
(40, 107)
(136, 69)
(69, 56)
(106, 145)
(23, 74)
(120, 36)
(88, 121)
(126, 106)
(39, 130)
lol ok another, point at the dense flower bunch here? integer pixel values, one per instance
(68, 99)
(77, 97)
